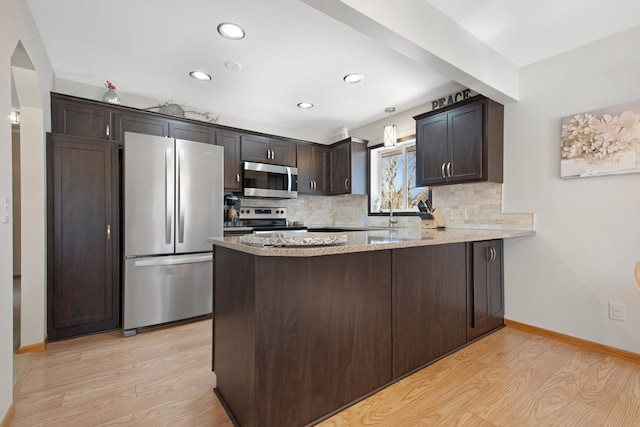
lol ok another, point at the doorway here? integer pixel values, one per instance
(28, 208)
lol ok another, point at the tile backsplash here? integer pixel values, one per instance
(476, 205)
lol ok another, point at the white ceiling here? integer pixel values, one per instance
(291, 53)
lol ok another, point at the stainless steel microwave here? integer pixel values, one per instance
(263, 180)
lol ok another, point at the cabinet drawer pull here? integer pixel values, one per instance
(443, 173)
(449, 169)
(108, 232)
(237, 177)
(346, 183)
(107, 131)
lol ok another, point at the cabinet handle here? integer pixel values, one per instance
(237, 177)
(107, 131)
(346, 183)
(315, 185)
(108, 232)
(443, 174)
(449, 169)
(491, 253)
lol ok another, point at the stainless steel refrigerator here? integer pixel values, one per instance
(173, 201)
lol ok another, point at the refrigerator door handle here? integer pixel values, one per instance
(181, 203)
(168, 178)
(152, 262)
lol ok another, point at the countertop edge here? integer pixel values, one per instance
(359, 241)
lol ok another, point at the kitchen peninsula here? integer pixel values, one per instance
(302, 332)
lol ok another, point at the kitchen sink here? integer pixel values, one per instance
(386, 239)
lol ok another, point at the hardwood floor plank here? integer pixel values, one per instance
(578, 414)
(608, 380)
(163, 378)
(626, 408)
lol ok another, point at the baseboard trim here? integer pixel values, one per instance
(613, 351)
(6, 421)
(34, 348)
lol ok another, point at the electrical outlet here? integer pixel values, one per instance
(616, 311)
(457, 214)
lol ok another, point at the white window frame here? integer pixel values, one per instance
(376, 205)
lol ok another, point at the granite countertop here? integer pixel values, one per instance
(369, 240)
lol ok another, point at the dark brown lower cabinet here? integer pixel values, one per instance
(429, 304)
(296, 338)
(83, 280)
(486, 293)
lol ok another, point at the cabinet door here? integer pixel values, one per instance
(311, 169)
(431, 150)
(305, 184)
(319, 169)
(256, 149)
(429, 304)
(486, 299)
(283, 153)
(191, 132)
(465, 144)
(83, 293)
(81, 120)
(340, 167)
(230, 141)
(323, 333)
(144, 123)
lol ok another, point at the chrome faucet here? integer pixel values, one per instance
(392, 220)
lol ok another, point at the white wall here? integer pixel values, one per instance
(16, 25)
(588, 229)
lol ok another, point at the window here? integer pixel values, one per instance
(393, 177)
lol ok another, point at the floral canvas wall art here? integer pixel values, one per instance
(601, 142)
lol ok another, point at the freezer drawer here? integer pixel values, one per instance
(165, 289)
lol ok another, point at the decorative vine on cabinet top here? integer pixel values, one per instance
(460, 143)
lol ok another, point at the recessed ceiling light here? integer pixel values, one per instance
(234, 66)
(305, 105)
(231, 31)
(199, 75)
(353, 78)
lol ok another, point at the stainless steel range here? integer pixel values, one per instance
(258, 219)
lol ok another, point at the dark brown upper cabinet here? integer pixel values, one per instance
(348, 167)
(138, 122)
(312, 169)
(262, 149)
(192, 132)
(230, 141)
(460, 143)
(79, 119)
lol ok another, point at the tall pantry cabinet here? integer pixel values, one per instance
(83, 277)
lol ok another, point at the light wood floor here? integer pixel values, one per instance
(163, 378)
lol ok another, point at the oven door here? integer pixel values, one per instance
(263, 180)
